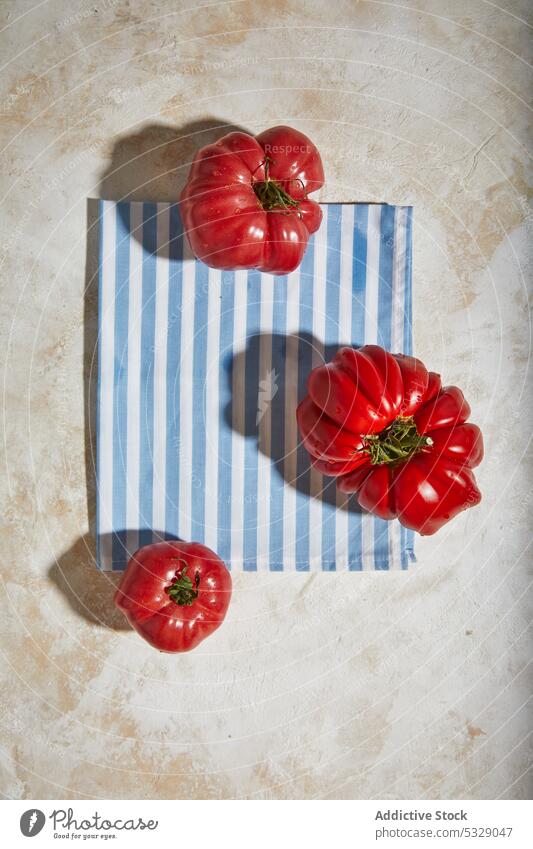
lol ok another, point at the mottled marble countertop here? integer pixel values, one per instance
(352, 686)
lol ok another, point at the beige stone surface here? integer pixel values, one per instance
(349, 686)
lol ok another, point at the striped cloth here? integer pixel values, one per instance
(200, 372)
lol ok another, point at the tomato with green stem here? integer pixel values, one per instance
(174, 594)
(246, 204)
(387, 430)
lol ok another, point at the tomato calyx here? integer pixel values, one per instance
(397, 443)
(271, 194)
(182, 590)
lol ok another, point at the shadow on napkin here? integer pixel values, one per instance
(274, 439)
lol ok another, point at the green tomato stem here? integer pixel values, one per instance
(182, 590)
(271, 195)
(396, 443)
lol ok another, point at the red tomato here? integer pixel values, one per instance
(387, 430)
(175, 594)
(245, 204)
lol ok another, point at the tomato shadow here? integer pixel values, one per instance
(88, 590)
(267, 380)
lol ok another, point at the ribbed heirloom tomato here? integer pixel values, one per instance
(387, 430)
(246, 203)
(174, 594)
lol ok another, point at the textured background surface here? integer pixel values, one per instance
(359, 685)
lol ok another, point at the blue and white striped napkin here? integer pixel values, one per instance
(200, 372)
